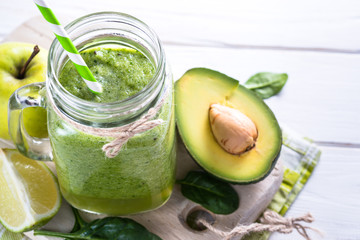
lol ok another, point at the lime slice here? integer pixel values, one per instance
(29, 192)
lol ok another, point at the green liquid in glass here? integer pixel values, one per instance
(141, 177)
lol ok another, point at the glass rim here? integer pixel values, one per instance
(108, 17)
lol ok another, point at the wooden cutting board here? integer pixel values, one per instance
(169, 221)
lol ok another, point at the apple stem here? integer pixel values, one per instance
(23, 69)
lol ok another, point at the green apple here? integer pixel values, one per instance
(21, 64)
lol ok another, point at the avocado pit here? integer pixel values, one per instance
(235, 132)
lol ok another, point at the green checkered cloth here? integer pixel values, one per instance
(299, 156)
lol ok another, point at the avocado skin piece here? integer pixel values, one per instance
(224, 90)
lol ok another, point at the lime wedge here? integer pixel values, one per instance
(29, 192)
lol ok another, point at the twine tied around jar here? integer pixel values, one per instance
(120, 134)
(270, 221)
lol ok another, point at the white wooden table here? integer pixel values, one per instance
(316, 42)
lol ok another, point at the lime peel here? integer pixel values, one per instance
(22, 185)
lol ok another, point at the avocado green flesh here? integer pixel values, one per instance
(195, 91)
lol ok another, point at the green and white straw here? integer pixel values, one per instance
(69, 47)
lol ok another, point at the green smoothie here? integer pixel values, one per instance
(141, 176)
(121, 72)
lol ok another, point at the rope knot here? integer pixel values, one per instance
(271, 217)
(113, 148)
(272, 222)
(126, 134)
(286, 225)
(120, 134)
(289, 222)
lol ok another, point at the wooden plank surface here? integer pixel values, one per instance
(314, 41)
(318, 25)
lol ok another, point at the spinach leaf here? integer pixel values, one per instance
(113, 228)
(211, 193)
(266, 84)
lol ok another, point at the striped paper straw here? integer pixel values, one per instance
(69, 47)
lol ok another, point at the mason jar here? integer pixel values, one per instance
(141, 175)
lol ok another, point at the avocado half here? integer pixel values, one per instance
(195, 91)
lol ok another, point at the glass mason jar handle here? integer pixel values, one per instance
(31, 95)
